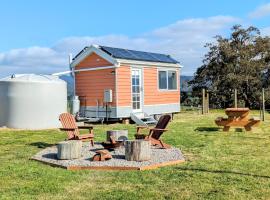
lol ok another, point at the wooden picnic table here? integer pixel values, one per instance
(234, 113)
(237, 117)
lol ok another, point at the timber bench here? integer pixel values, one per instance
(237, 117)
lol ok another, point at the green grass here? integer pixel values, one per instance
(233, 165)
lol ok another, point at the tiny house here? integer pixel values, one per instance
(120, 82)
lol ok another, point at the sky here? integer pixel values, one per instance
(37, 36)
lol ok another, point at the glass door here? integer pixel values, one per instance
(136, 90)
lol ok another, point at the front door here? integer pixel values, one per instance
(136, 83)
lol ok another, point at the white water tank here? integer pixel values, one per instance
(29, 101)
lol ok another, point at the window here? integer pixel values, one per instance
(172, 80)
(162, 79)
(167, 80)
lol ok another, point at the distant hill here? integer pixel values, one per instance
(184, 83)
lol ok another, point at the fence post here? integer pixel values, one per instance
(263, 105)
(207, 99)
(203, 101)
(235, 98)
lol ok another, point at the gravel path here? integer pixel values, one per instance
(158, 156)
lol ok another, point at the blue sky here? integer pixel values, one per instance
(36, 36)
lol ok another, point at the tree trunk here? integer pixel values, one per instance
(247, 101)
(137, 150)
(68, 150)
(247, 104)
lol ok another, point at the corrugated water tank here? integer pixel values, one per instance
(30, 101)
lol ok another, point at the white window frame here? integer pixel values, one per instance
(167, 70)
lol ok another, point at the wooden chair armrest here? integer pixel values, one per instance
(142, 127)
(85, 127)
(67, 129)
(158, 129)
(155, 129)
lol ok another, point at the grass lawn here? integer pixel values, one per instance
(233, 165)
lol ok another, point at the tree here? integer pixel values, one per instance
(239, 62)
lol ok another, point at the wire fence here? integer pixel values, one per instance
(202, 102)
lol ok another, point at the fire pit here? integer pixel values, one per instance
(159, 158)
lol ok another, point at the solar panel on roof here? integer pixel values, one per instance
(134, 55)
(161, 57)
(137, 55)
(118, 53)
(127, 54)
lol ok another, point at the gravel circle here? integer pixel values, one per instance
(158, 156)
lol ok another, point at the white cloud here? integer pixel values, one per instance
(197, 26)
(184, 40)
(75, 44)
(261, 11)
(31, 60)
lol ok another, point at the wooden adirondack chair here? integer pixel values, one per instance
(69, 125)
(155, 133)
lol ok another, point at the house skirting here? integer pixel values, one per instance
(161, 108)
(124, 111)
